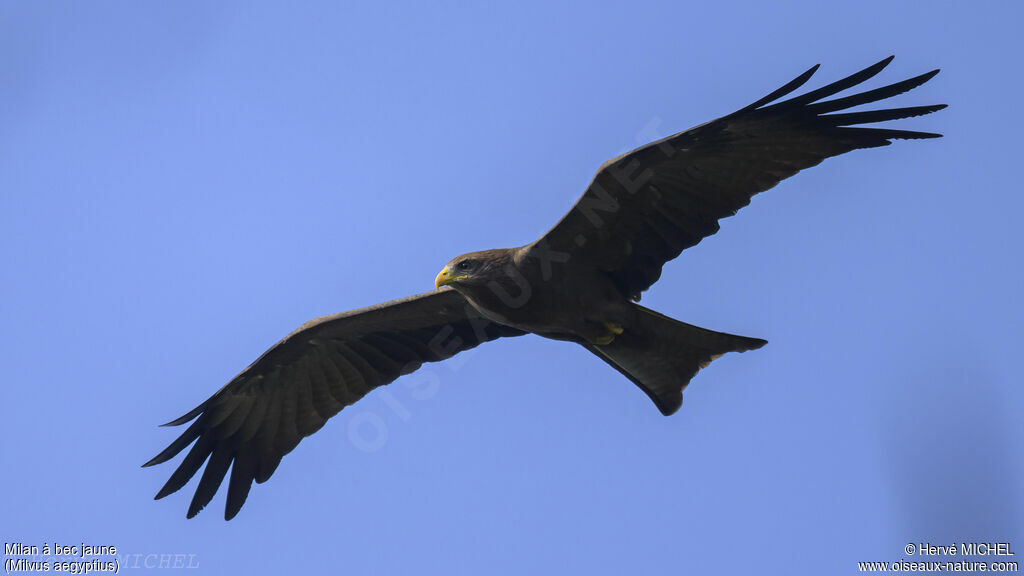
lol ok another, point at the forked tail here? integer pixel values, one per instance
(661, 355)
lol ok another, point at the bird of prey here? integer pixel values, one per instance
(580, 282)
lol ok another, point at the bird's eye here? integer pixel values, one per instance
(464, 265)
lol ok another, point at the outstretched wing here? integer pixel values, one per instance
(300, 382)
(645, 207)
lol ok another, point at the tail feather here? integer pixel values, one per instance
(661, 355)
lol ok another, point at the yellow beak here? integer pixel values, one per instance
(445, 278)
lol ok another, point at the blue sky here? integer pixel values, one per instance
(182, 184)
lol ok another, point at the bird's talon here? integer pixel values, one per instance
(613, 327)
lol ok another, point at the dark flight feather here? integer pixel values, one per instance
(645, 207)
(303, 380)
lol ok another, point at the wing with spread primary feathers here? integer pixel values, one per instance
(645, 207)
(293, 388)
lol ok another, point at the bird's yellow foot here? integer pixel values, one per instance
(613, 330)
(612, 327)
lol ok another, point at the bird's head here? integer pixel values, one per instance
(473, 269)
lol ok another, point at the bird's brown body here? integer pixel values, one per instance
(567, 301)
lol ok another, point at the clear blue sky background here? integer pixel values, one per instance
(183, 183)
